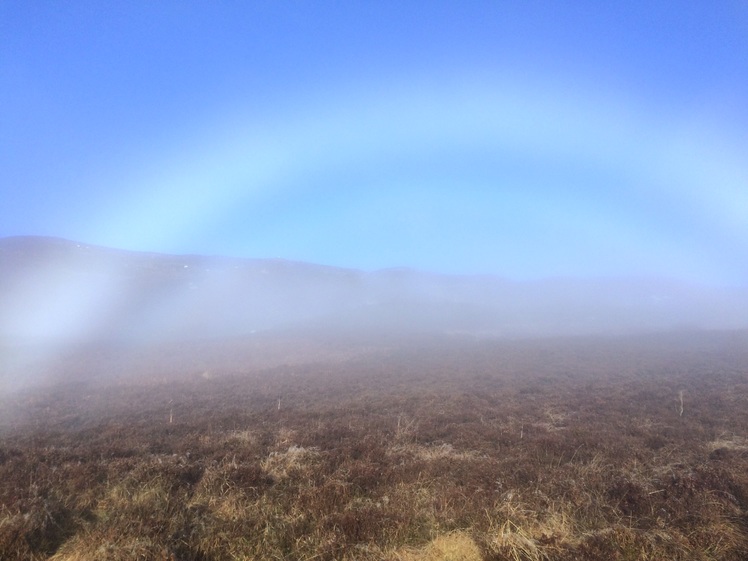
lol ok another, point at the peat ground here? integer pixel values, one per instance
(432, 448)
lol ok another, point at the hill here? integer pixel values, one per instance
(63, 290)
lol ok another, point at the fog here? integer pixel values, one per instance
(65, 305)
(502, 170)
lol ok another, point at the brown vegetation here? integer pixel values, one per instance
(456, 448)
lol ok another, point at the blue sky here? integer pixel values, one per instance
(523, 139)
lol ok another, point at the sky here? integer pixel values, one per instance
(525, 139)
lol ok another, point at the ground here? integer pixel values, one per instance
(443, 448)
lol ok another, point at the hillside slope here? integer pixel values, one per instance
(63, 290)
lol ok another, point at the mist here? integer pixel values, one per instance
(373, 280)
(66, 305)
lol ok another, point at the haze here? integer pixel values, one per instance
(502, 169)
(364, 280)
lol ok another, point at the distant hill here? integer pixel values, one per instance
(58, 289)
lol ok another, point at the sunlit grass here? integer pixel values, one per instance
(365, 463)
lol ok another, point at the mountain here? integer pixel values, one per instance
(63, 290)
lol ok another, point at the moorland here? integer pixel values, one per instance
(421, 448)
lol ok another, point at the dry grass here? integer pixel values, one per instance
(730, 442)
(433, 452)
(296, 461)
(546, 451)
(455, 546)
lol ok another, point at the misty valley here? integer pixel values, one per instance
(190, 408)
